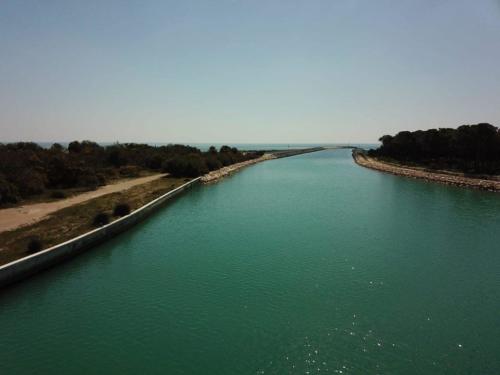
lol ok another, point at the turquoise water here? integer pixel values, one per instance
(307, 264)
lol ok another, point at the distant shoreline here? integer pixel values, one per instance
(442, 177)
(225, 171)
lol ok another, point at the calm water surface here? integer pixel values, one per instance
(303, 265)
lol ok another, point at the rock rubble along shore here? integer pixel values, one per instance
(443, 177)
(219, 173)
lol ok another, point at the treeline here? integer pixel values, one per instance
(27, 169)
(472, 149)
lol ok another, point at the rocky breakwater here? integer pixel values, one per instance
(225, 171)
(489, 183)
(297, 151)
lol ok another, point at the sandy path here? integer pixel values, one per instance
(12, 218)
(447, 178)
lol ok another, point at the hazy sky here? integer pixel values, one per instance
(245, 71)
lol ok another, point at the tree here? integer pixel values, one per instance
(469, 148)
(75, 147)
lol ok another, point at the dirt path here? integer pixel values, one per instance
(447, 178)
(12, 218)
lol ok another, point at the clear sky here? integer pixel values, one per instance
(245, 71)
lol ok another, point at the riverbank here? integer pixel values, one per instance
(442, 177)
(28, 214)
(225, 171)
(76, 219)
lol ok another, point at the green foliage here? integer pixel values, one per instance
(121, 209)
(8, 191)
(191, 165)
(129, 171)
(212, 162)
(58, 194)
(469, 148)
(74, 147)
(30, 182)
(27, 169)
(34, 245)
(100, 219)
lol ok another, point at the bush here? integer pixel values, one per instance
(129, 171)
(154, 162)
(34, 245)
(88, 178)
(100, 219)
(121, 209)
(213, 163)
(27, 169)
(101, 179)
(8, 192)
(75, 147)
(192, 165)
(58, 194)
(30, 182)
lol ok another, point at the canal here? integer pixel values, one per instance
(302, 265)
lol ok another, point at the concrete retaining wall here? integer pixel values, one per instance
(24, 267)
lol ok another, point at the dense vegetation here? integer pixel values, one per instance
(471, 149)
(27, 169)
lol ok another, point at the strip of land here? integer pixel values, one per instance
(16, 217)
(225, 171)
(75, 220)
(492, 183)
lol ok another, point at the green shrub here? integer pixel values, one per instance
(8, 191)
(88, 178)
(34, 245)
(27, 169)
(30, 182)
(121, 209)
(58, 194)
(129, 171)
(100, 219)
(213, 163)
(192, 165)
(101, 179)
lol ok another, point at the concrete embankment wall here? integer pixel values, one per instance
(24, 267)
